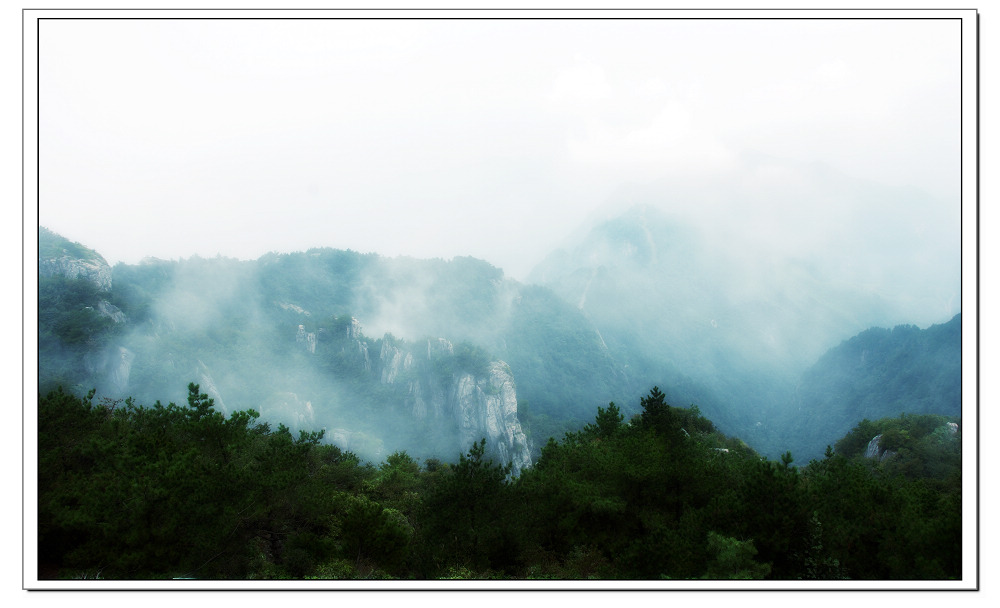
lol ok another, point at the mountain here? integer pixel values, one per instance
(878, 373)
(426, 356)
(58, 256)
(78, 320)
(679, 309)
(464, 353)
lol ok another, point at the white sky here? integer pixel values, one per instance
(491, 138)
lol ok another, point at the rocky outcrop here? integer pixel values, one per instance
(366, 362)
(354, 329)
(95, 270)
(109, 310)
(487, 407)
(439, 347)
(293, 307)
(478, 403)
(433, 385)
(875, 451)
(306, 339)
(392, 361)
(206, 384)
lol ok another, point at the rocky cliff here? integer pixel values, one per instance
(462, 393)
(58, 256)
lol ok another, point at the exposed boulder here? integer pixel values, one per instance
(58, 256)
(109, 310)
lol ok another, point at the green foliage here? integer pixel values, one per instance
(374, 534)
(471, 513)
(608, 422)
(921, 445)
(733, 559)
(472, 359)
(52, 246)
(70, 328)
(876, 374)
(127, 491)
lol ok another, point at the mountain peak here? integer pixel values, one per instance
(58, 256)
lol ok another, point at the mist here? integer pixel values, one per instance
(494, 139)
(421, 176)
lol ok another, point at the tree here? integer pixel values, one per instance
(469, 513)
(607, 423)
(656, 414)
(733, 559)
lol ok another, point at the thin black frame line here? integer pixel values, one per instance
(961, 228)
(24, 335)
(658, 9)
(979, 544)
(954, 18)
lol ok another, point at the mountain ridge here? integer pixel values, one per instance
(565, 357)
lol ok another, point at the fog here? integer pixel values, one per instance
(806, 173)
(210, 322)
(834, 140)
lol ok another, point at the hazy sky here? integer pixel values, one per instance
(490, 138)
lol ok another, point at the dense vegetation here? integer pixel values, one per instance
(131, 491)
(878, 373)
(70, 328)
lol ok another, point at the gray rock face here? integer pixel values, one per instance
(96, 270)
(306, 339)
(487, 407)
(439, 347)
(872, 451)
(366, 361)
(111, 311)
(478, 405)
(875, 451)
(392, 361)
(206, 384)
(354, 329)
(433, 388)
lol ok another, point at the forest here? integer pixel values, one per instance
(139, 492)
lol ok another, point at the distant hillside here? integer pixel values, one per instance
(641, 301)
(878, 373)
(241, 329)
(52, 246)
(680, 310)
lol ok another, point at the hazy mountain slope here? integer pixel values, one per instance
(78, 319)
(876, 374)
(641, 301)
(744, 323)
(268, 334)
